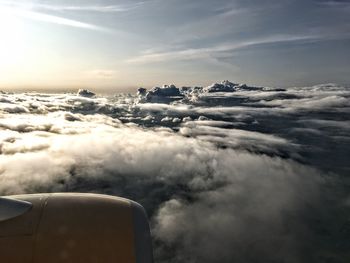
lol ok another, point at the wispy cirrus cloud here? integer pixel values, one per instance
(209, 52)
(92, 8)
(101, 73)
(87, 8)
(335, 3)
(37, 16)
(39, 12)
(49, 18)
(196, 53)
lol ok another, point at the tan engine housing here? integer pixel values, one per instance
(73, 228)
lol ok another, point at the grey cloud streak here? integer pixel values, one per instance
(103, 8)
(198, 53)
(52, 19)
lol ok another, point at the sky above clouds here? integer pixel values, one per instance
(124, 44)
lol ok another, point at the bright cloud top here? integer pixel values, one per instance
(251, 169)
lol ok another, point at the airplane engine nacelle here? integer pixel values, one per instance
(73, 228)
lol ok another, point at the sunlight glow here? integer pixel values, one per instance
(12, 40)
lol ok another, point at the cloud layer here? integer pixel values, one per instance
(227, 173)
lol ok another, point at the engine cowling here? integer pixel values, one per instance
(86, 228)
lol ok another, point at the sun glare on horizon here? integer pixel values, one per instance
(12, 44)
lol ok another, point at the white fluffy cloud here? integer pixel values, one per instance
(244, 176)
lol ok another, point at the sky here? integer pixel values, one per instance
(122, 44)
